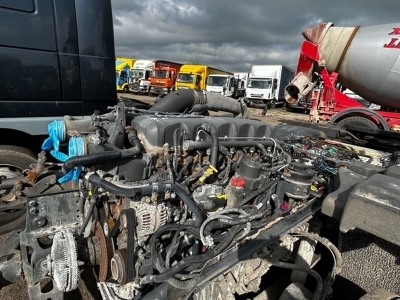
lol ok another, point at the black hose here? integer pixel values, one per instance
(255, 193)
(177, 101)
(133, 139)
(180, 101)
(265, 198)
(148, 190)
(241, 220)
(97, 157)
(189, 160)
(192, 260)
(158, 261)
(88, 215)
(214, 142)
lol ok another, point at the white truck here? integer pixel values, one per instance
(141, 74)
(266, 84)
(223, 84)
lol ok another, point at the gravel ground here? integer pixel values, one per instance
(87, 287)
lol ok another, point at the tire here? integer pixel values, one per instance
(357, 121)
(13, 160)
(126, 89)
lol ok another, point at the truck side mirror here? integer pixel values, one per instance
(275, 84)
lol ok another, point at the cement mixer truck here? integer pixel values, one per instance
(363, 59)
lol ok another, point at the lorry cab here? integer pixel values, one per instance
(161, 79)
(191, 77)
(266, 84)
(195, 76)
(140, 76)
(123, 72)
(164, 77)
(122, 79)
(225, 85)
(259, 88)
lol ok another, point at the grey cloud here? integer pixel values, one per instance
(233, 34)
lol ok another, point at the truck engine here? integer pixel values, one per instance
(181, 204)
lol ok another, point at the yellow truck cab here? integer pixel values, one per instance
(123, 66)
(194, 76)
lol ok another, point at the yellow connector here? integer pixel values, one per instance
(207, 173)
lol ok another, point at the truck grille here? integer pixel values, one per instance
(135, 86)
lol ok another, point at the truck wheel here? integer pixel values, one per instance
(126, 89)
(357, 121)
(13, 160)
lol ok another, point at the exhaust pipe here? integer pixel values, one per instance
(298, 88)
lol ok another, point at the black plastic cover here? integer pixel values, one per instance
(155, 130)
(374, 206)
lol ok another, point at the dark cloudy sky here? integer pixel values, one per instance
(232, 34)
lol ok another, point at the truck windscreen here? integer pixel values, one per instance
(259, 83)
(216, 80)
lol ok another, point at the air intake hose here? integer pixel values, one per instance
(200, 101)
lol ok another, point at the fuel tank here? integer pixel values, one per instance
(367, 59)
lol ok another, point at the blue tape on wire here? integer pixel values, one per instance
(56, 135)
(76, 147)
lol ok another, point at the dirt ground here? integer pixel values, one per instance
(87, 287)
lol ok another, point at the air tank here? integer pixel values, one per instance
(367, 59)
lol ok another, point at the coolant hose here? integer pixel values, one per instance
(93, 158)
(148, 190)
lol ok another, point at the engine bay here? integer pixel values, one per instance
(161, 205)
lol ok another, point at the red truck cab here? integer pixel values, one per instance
(163, 77)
